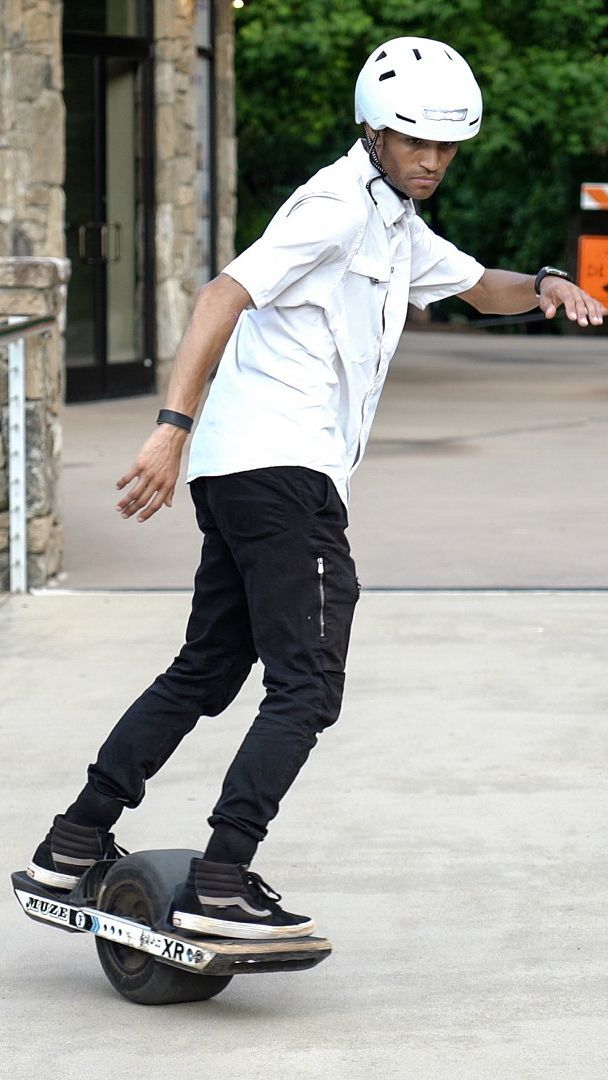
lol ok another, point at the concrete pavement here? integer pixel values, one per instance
(486, 468)
(448, 835)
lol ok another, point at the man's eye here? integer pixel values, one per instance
(449, 145)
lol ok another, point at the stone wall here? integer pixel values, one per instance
(175, 176)
(32, 213)
(225, 131)
(30, 286)
(176, 271)
(32, 163)
(32, 123)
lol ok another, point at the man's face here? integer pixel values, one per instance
(414, 166)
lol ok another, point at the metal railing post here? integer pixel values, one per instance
(16, 462)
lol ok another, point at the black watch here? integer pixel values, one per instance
(550, 271)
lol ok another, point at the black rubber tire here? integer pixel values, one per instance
(141, 887)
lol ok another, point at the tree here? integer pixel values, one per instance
(543, 70)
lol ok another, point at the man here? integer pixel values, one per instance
(307, 320)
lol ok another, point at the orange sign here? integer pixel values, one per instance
(593, 266)
(594, 196)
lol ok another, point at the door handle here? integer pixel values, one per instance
(112, 229)
(83, 253)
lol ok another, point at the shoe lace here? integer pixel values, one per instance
(259, 885)
(112, 849)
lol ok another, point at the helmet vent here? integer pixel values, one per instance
(386, 75)
(417, 54)
(380, 56)
(448, 55)
(474, 121)
(406, 118)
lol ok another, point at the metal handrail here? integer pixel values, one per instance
(13, 334)
(27, 327)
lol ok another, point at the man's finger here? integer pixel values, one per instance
(138, 498)
(154, 505)
(127, 478)
(550, 310)
(581, 310)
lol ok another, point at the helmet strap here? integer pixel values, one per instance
(371, 149)
(370, 145)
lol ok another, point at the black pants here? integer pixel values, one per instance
(276, 582)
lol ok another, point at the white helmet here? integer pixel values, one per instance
(420, 87)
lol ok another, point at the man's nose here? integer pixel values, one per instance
(429, 159)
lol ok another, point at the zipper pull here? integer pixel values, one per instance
(320, 567)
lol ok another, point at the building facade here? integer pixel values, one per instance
(117, 153)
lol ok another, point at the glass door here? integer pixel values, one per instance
(109, 215)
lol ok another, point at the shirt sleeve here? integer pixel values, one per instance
(439, 269)
(316, 232)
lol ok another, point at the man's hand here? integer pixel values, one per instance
(579, 306)
(156, 470)
(504, 292)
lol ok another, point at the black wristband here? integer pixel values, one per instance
(550, 271)
(178, 419)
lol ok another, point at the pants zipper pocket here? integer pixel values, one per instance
(321, 574)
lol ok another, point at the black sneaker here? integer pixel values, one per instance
(67, 851)
(231, 901)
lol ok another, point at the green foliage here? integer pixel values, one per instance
(543, 70)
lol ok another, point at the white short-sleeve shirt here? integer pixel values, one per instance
(331, 279)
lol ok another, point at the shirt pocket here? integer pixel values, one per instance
(365, 286)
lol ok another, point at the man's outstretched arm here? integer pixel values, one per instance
(156, 468)
(503, 292)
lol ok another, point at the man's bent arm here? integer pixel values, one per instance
(503, 292)
(156, 468)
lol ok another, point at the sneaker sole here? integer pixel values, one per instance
(51, 878)
(221, 928)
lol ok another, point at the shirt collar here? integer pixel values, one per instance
(390, 205)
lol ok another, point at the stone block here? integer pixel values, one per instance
(166, 132)
(186, 141)
(6, 163)
(165, 83)
(39, 534)
(7, 92)
(36, 571)
(3, 489)
(5, 237)
(31, 273)
(40, 479)
(4, 571)
(4, 530)
(173, 312)
(186, 219)
(38, 195)
(23, 301)
(37, 24)
(31, 75)
(184, 61)
(185, 171)
(55, 236)
(185, 195)
(165, 237)
(165, 180)
(47, 146)
(41, 361)
(164, 19)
